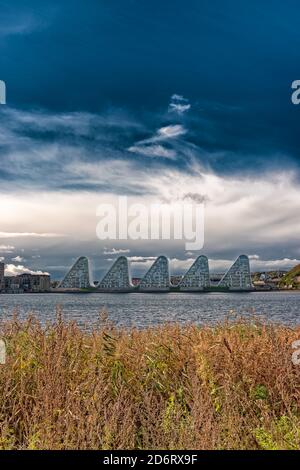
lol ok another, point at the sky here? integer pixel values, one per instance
(166, 101)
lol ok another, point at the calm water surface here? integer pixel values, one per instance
(142, 310)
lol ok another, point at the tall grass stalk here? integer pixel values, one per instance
(231, 386)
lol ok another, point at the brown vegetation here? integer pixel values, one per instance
(232, 386)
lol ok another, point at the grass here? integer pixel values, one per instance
(232, 386)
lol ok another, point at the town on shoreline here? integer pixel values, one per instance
(238, 278)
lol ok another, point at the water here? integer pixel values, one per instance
(142, 310)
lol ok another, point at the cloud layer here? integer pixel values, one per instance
(60, 166)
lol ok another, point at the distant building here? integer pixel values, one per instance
(175, 280)
(261, 285)
(34, 282)
(238, 276)
(117, 278)
(54, 284)
(12, 285)
(27, 283)
(158, 277)
(135, 281)
(78, 277)
(197, 277)
(274, 282)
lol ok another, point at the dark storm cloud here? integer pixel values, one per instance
(114, 97)
(234, 64)
(47, 150)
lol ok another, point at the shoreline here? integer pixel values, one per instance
(171, 291)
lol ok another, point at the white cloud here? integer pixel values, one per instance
(171, 131)
(153, 151)
(28, 234)
(14, 270)
(33, 161)
(141, 259)
(78, 123)
(179, 104)
(177, 97)
(18, 259)
(249, 213)
(274, 264)
(153, 146)
(179, 108)
(7, 248)
(115, 251)
(239, 211)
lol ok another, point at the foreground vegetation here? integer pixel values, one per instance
(233, 386)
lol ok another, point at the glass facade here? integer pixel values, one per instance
(79, 275)
(197, 277)
(158, 277)
(117, 277)
(238, 277)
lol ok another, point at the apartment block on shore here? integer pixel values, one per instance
(23, 283)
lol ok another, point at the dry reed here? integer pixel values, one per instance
(231, 386)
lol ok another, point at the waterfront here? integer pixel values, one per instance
(143, 310)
